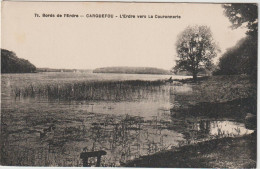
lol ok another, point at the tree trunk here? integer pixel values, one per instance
(194, 74)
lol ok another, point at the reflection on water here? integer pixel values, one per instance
(228, 128)
(53, 133)
(208, 129)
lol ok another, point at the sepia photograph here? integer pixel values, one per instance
(129, 84)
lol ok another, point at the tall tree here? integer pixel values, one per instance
(243, 14)
(195, 49)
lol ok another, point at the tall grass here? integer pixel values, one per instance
(99, 90)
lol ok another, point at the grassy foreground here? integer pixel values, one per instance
(213, 97)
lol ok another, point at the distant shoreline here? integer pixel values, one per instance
(132, 70)
(134, 73)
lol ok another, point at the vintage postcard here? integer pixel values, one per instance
(127, 84)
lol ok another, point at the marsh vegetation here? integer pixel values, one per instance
(89, 91)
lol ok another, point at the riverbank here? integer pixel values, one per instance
(221, 88)
(218, 98)
(218, 153)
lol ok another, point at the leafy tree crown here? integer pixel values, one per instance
(195, 49)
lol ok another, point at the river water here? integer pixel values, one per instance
(44, 132)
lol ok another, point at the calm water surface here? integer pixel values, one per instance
(40, 132)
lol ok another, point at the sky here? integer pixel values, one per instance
(89, 43)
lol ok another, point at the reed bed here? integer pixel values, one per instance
(99, 90)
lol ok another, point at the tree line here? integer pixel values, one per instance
(10, 63)
(242, 58)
